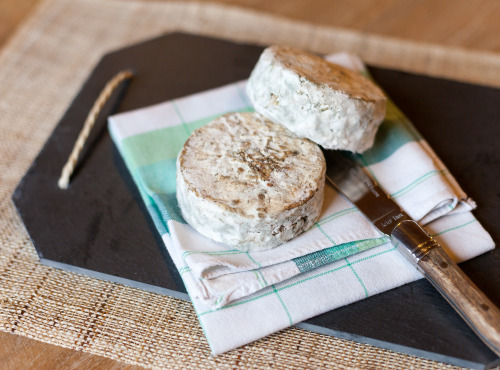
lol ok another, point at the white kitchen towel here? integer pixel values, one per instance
(243, 296)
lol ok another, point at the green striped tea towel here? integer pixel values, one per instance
(240, 297)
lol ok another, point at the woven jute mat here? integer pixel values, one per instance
(41, 70)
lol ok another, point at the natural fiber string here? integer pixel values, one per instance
(104, 96)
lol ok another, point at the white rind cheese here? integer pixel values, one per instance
(331, 105)
(249, 183)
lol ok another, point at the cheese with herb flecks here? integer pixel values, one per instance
(331, 105)
(249, 183)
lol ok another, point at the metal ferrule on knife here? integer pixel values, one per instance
(412, 241)
(406, 234)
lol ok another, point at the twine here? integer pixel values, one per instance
(90, 121)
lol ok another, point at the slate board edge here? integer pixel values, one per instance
(397, 347)
(114, 279)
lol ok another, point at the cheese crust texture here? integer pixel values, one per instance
(331, 105)
(249, 183)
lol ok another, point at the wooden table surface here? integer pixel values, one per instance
(470, 24)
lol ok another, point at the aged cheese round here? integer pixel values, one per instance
(331, 105)
(249, 183)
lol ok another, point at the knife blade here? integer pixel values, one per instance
(421, 249)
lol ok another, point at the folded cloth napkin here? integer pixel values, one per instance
(242, 296)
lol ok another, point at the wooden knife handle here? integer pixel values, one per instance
(474, 307)
(463, 295)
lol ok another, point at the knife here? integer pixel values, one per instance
(423, 252)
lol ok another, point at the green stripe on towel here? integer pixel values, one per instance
(335, 253)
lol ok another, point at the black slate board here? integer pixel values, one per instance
(100, 227)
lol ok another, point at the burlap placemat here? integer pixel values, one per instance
(41, 70)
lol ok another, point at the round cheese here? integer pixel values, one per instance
(249, 183)
(331, 105)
